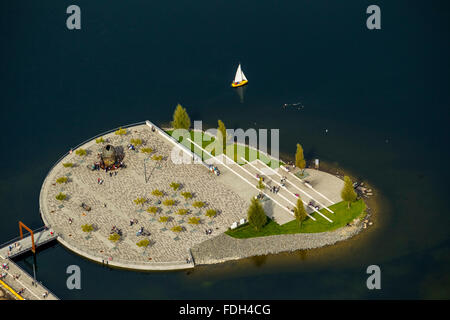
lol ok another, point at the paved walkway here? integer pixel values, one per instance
(282, 201)
(112, 204)
(33, 291)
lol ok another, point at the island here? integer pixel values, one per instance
(121, 200)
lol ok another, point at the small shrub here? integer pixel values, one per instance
(136, 142)
(169, 202)
(68, 165)
(157, 193)
(260, 185)
(80, 152)
(147, 150)
(182, 212)
(175, 186)
(61, 196)
(194, 220)
(87, 227)
(140, 201)
(62, 180)
(120, 132)
(114, 237)
(211, 213)
(177, 229)
(157, 158)
(153, 210)
(99, 140)
(163, 219)
(187, 195)
(198, 204)
(143, 243)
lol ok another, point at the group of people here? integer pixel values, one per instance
(260, 196)
(95, 166)
(5, 266)
(131, 147)
(142, 232)
(208, 231)
(15, 245)
(259, 177)
(214, 170)
(100, 181)
(274, 189)
(133, 221)
(313, 205)
(114, 229)
(111, 174)
(100, 165)
(115, 166)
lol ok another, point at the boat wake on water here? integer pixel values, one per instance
(297, 105)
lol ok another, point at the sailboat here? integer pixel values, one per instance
(239, 79)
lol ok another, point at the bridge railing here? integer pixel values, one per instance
(25, 234)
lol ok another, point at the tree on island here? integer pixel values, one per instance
(348, 192)
(256, 215)
(299, 158)
(299, 212)
(222, 133)
(181, 119)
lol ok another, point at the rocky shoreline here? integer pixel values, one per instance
(225, 248)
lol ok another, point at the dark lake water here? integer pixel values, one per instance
(383, 95)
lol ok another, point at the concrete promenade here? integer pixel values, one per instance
(19, 280)
(112, 204)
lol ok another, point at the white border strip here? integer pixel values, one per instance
(245, 179)
(287, 191)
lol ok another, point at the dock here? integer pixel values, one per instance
(16, 280)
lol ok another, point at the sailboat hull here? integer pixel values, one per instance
(239, 84)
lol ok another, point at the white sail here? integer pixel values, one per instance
(239, 74)
(243, 76)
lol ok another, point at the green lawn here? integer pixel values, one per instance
(342, 215)
(232, 149)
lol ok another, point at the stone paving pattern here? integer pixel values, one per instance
(118, 193)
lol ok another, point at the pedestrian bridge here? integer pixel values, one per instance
(18, 246)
